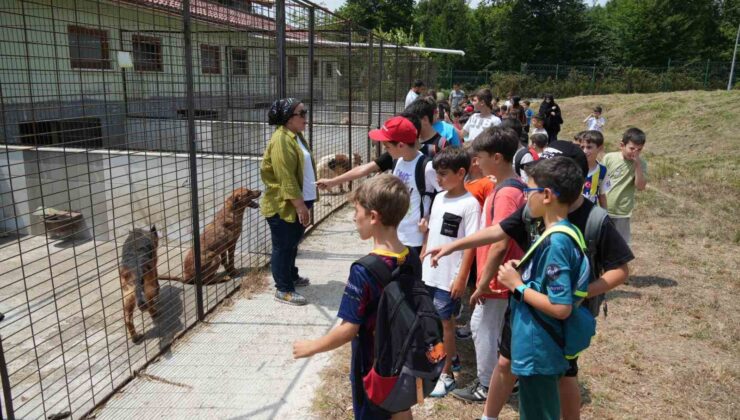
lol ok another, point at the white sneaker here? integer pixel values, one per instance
(445, 384)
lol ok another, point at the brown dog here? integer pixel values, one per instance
(138, 274)
(331, 166)
(218, 240)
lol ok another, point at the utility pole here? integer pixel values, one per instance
(734, 56)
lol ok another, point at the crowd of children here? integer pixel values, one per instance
(514, 216)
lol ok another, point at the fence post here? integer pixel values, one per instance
(395, 84)
(706, 75)
(280, 46)
(194, 206)
(7, 394)
(311, 52)
(557, 67)
(369, 80)
(593, 80)
(349, 96)
(380, 83)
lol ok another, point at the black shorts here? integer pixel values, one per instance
(572, 371)
(504, 345)
(473, 275)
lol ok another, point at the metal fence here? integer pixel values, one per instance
(116, 115)
(533, 80)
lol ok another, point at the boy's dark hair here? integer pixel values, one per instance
(413, 118)
(540, 140)
(634, 135)
(597, 109)
(497, 140)
(418, 83)
(513, 124)
(457, 113)
(539, 116)
(526, 101)
(504, 108)
(515, 101)
(593, 137)
(560, 174)
(452, 158)
(386, 194)
(579, 136)
(422, 107)
(484, 95)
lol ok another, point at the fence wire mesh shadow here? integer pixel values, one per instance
(125, 128)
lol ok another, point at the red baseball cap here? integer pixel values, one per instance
(397, 129)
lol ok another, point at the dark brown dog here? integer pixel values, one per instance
(218, 240)
(138, 274)
(331, 166)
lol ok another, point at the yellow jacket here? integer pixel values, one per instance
(281, 171)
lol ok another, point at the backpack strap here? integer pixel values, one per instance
(508, 182)
(377, 268)
(534, 154)
(421, 182)
(518, 156)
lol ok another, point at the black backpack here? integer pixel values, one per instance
(592, 233)
(409, 354)
(420, 178)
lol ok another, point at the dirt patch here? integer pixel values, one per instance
(670, 346)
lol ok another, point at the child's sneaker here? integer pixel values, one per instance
(445, 384)
(475, 392)
(456, 365)
(463, 332)
(302, 282)
(291, 298)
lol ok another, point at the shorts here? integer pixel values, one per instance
(446, 306)
(504, 346)
(622, 224)
(572, 371)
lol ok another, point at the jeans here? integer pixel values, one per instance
(285, 238)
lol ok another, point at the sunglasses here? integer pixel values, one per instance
(301, 114)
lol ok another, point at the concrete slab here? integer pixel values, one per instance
(239, 363)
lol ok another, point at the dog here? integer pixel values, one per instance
(218, 240)
(138, 275)
(331, 166)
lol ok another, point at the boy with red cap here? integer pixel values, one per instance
(399, 137)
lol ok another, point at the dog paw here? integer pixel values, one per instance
(136, 339)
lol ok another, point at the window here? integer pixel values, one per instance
(273, 65)
(239, 66)
(210, 59)
(329, 70)
(292, 66)
(147, 53)
(88, 48)
(78, 132)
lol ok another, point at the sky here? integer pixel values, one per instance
(335, 4)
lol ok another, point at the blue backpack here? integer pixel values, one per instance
(580, 326)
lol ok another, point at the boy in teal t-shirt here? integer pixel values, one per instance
(625, 176)
(554, 277)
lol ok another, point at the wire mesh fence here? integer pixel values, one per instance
(534, 80)
(126, 127)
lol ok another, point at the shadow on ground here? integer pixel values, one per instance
(648, 281)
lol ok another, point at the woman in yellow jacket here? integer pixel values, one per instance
(289, 174)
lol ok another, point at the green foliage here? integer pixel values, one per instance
(385, 15)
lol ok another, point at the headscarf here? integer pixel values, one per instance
(281, 111)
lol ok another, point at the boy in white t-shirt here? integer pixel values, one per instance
(399, 137)
(595, 121)
(484, 118)
(455, 214)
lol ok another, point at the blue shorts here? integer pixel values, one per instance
(444, 304)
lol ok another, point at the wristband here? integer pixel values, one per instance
(519, 292)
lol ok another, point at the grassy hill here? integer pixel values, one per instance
(670, 346)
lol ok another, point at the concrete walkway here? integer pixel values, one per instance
(238, 364)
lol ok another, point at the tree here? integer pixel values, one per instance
(386, 15)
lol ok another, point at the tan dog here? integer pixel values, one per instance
(138, 275)
(331, 166)
(218, 240)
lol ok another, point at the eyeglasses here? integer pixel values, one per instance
(301, 114)
(539, 189)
